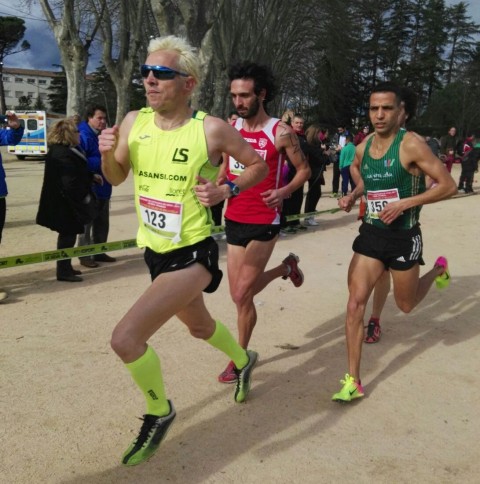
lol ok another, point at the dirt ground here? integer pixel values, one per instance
(69, 408)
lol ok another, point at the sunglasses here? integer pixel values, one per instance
(161, 73)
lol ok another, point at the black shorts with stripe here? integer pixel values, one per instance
(398, 249)
(242, 234)
(204, 252)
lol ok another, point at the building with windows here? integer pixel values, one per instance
(26, 82)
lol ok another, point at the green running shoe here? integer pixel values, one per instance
(350, 390)
(443, 280)
(244, 377)
(153, 431)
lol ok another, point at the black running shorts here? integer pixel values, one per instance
(204, 252)
(242, 234)
(398, 249)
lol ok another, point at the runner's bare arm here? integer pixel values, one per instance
(416, 150)
(113, 145)
(290, 143)
(416, 156)
(287, 141)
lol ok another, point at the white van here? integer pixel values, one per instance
(34, 140)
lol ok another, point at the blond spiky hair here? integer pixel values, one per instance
(188, 60)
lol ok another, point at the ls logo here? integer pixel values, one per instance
(180, 155)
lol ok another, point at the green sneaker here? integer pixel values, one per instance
(443, 280)
(244, 377)
(350, 390)
(153, 431)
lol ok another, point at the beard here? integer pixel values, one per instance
(252, 111)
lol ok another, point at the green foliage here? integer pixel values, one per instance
(101, 90)
(12, 30)
(458, 103)
(418, 43)
(39, 104)
(24, 103)
(336, 68)
(461, 32)
(57, 94)
(326, 55)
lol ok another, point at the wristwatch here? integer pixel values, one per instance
(234, 189)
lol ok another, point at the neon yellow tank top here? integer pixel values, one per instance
(165, 165)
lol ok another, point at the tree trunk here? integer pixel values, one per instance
(73, 50)
(125, 43)
(75, 63)
(3, 105)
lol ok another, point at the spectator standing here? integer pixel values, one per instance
(8, 137)
(449, 160)
(467, 147)
(317, 160)
(232, 117)
(339, 140)
(361, 135)
(468, 144)
(66, 200)
(293, 204)
(346, 158)
(450, 147)
(470, 166)
(96, 232)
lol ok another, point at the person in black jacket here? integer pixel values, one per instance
(318, 151)
(66, 200)
(470, 166)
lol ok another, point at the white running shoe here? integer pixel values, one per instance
(311, 221)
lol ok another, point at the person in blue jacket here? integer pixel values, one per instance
(9, 136)
(96, 232)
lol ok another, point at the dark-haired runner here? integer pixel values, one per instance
(391, 167)
(252, 218)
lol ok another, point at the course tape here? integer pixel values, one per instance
(89, 250)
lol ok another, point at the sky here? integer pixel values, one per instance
(43, 53)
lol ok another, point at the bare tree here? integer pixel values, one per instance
(192, 19)
(121, 28)
(226, 31)
(74, 29)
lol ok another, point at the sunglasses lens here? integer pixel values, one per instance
(164, 75)
(160, 74)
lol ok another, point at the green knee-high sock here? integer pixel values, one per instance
(147, 374)
(224, 341)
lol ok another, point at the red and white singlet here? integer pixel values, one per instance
(249, 207)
